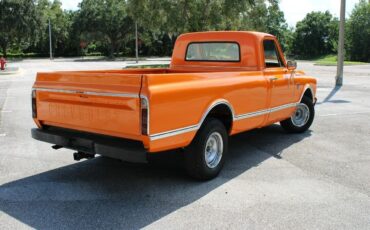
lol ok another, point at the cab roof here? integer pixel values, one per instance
(208, 34)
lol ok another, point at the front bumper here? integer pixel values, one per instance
(119, 148)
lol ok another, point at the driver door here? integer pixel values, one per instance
(281, 82)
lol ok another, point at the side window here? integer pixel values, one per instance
(272, 58)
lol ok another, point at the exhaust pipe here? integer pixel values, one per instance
(80, 155)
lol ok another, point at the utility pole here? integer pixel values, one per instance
(50, 42)
(339, 77)
(136, 43)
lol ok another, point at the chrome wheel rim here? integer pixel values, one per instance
(213, 150)
(301, 115)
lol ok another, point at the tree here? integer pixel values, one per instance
(313, 35)
(358, 33)
(61, 25)
(276, 23)
(18, 22)
(179, 16)
(107, 21)
(167, 19)
(266, 16)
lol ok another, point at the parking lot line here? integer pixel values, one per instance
(343, 114)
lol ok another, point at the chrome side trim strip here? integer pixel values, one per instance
(265, 111)
(287, 106)
(307, 87)
(213, 105)
(236, 118)
(129, 95)
(193, 127)
(250, 115)
(174, 132)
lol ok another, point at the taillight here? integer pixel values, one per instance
(144, 116)
(34, 108)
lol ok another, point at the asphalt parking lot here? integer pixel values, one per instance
(272, 180)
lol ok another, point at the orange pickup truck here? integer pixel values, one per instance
(218, 84)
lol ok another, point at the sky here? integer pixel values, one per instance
(294, 10)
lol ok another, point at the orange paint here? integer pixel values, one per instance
(109, 101)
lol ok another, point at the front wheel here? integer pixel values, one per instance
(206, 154)
(302, 118)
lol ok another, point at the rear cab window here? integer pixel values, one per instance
(272, 57)
(213, 52)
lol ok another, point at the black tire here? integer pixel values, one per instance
(195, 154)
(288, 124)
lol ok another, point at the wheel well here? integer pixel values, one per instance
(223, 113)
(308, 93)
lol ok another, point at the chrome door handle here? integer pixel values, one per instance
(273, 78)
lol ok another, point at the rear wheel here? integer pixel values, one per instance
(206, 154)
(302, 118)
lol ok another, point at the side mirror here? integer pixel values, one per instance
(292, 65)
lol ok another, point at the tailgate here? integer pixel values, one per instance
(104, 103)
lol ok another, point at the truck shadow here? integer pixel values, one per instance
(105, 193)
